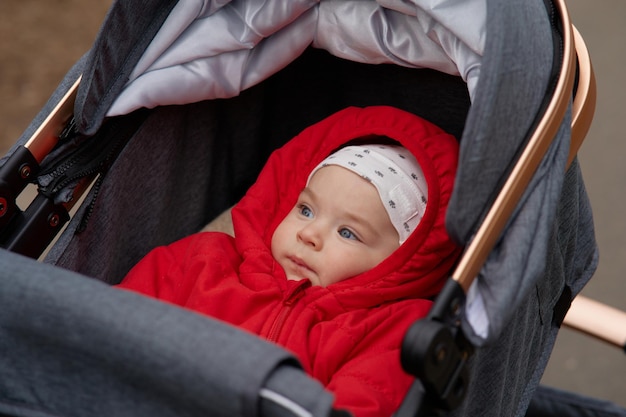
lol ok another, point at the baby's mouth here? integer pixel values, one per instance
(301, 267)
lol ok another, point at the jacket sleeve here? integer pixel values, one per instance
(166, 272)
(363, 366)
(371, 386)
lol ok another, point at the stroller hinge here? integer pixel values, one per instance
(32, 230)
(18, 171)
(436, 351)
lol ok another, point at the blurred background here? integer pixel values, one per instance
(41, 39)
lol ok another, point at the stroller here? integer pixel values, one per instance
(73, 346)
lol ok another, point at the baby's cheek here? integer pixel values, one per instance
(274, 245)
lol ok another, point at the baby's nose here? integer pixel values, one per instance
(310, 235)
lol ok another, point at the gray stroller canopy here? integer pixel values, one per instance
(226, 77)
(212, 50)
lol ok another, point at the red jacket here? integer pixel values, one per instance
(346, 335)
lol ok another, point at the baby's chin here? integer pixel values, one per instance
(299, 278)
(314, 281)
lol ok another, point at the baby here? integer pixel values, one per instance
(338, 248)
(360, 204)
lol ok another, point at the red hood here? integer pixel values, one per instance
(420, 266)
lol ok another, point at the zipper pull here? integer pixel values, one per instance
(296, 292)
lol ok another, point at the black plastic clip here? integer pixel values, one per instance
(17, 172)
(436, 351)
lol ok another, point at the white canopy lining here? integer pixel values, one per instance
(216, 49)
(211, 49)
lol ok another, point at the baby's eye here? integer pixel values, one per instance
(305, 211)
(347, 234)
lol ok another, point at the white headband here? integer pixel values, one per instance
(397, 176)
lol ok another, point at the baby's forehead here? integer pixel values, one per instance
(349, 190)
(330, 177)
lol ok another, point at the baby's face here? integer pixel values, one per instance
(337, 229)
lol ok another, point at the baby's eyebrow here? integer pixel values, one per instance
(362, 222)
(309, 193)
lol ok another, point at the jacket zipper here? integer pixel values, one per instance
(287, 306)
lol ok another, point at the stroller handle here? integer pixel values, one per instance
(47, 134)
(584, 105)
(596, 319)
(576, 77)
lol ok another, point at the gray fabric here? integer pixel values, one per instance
(514, 78)
(156, 210)
(504, 109)
(286, 389)
(506, 372)
(543, 249)
(553, 402)
(125, 33)
(500, 116)
(73, 346)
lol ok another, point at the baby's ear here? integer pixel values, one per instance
(222, 223)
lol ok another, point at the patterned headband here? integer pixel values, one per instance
(397, 176)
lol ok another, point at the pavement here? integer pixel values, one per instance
(39, 40)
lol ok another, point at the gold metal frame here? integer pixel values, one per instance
(490, 230)
(47, 134)
(598, 320)
(584, 105)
